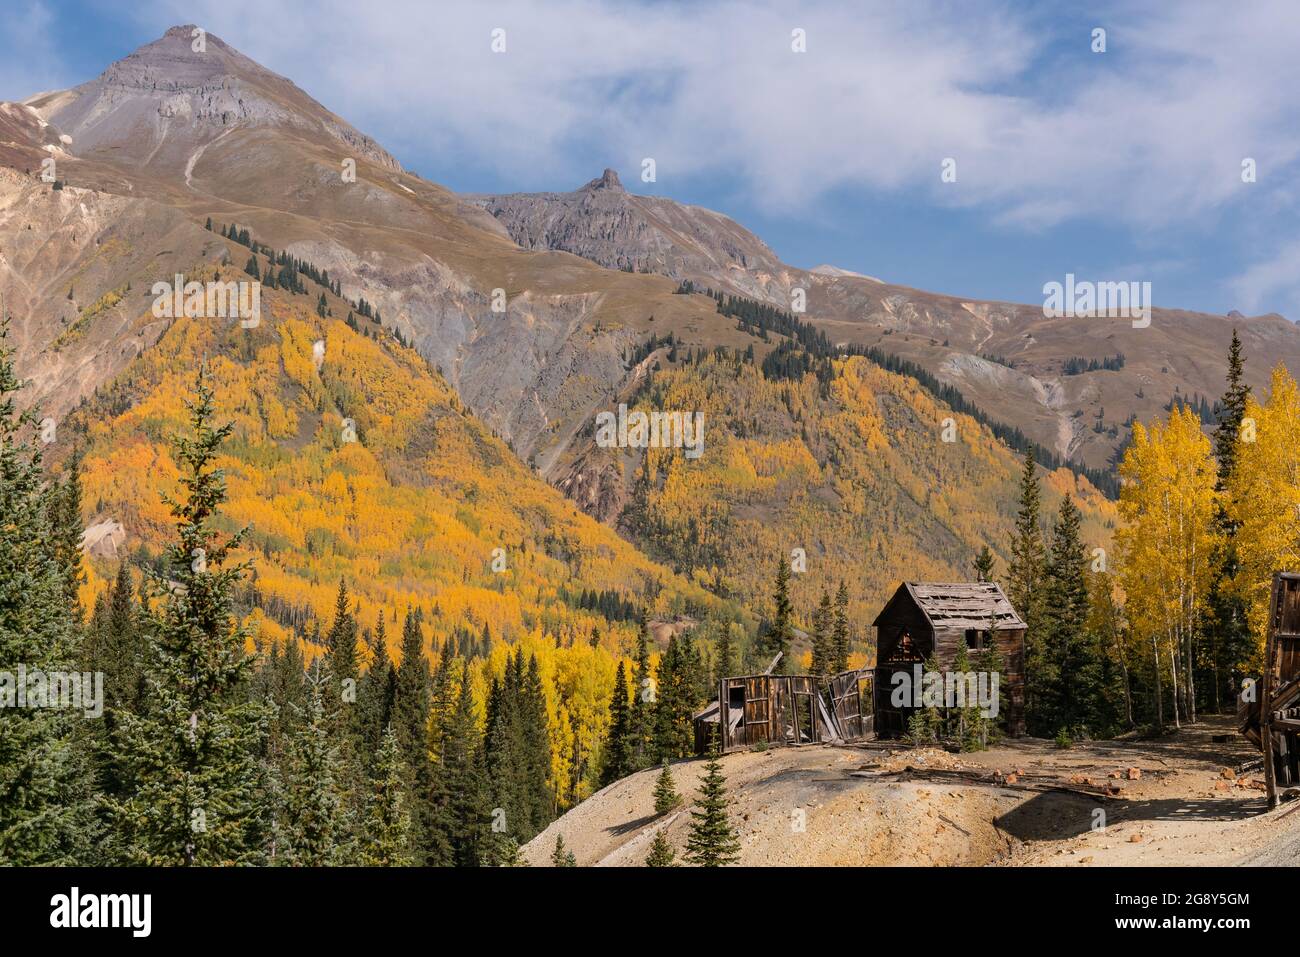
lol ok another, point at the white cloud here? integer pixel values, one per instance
(1150, 134)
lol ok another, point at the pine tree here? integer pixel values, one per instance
(823, 639)
(460, 796)
(1227, 434)
(713, 841)
(991, 661)
(661, 852)
(666, 796)
(410, 720)
(44, 774)
(561, 857)
(63, 505)
(196, 793)
(374, 701)
(983, 565)
(313, 824)
(1070, 689)
(385, 833)
(118, 649)
(840, 639)
(724, 658)
(644, 693)
(618, 759)
(536, 740)
(675, 696)
(1024, 577)
(1226, 626)
(780, 632)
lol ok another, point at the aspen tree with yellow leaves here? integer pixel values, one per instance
(1168, 503)
(1264, 496)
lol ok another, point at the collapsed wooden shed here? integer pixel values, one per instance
(937, 618)
(786, 710)
(1269, 709)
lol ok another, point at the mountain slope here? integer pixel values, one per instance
(212, 135)
(856, 473)
(410, 505)
(1006, 358)
(159, 148)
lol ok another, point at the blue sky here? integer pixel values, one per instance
(1121, 165)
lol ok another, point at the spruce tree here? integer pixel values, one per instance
(196, 795)
(677, 691)
(385, 832)
(840, 631)
(560, 857)
(538, 801)
(460, 793)
(661, 852)
(410, 720)
(63, 506)
(644, 692)
(314, 823)
(45, 785)
(119, 650)
(618, 760)
(991, 661)
(780, 632)
(374, 703)
(713, 841)
(724, 658)
(1070, 682)
(983, 565)
(823, 639)
(666, 796)
(1226, 626)
(1024, 583)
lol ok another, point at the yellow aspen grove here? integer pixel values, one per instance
(1167, 502)
(1264, 497)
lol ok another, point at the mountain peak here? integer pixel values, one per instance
(165, 102)
(607, 180)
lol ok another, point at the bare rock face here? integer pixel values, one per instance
(1007, 358)
(104, 539)
(596, 484)
(168, 99)
(603, 222)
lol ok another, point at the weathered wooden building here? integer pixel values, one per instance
(786, 710)
(1269, 709)
(924, 618)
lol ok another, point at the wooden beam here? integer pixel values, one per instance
(1265, 708)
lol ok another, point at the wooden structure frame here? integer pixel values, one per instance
(782, 710)
(936, 618)
(1270, 717)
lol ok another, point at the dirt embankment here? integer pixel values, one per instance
(1175, 800)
